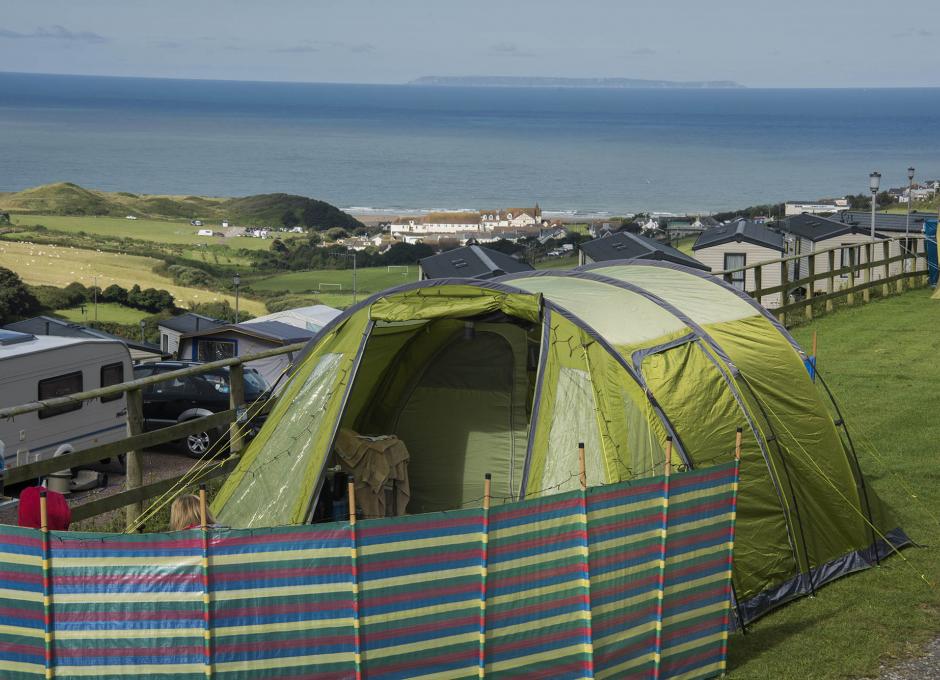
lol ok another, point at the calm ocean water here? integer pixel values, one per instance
(406, 147)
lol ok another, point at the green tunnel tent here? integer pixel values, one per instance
(508, 375)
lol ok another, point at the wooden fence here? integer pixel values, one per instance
(872, 269)
(135, 492)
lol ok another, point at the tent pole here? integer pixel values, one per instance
(860, 478)
(734, 593)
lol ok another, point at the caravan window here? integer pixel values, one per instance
(112, 374)
(736, 261)
(214, 350)
(60, 386)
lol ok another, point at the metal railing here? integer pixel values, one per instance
(135, 492)
(811, 283)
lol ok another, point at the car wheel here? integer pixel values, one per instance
(199, 444)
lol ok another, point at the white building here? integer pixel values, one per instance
(815, 207)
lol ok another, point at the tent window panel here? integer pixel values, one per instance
(574, 422)
(279, 471)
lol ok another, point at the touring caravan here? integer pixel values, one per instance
(33, 368)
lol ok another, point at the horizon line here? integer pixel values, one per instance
(411, 84)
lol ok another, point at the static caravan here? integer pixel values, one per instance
(33, 368)
(741, 243)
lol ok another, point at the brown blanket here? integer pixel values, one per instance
(375, 461)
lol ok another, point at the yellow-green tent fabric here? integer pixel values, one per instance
(509, 375)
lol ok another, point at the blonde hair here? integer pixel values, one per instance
(185, 514)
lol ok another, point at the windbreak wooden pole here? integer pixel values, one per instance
(582, 469)
(206, 602)
(484, 562)
(46, 585)
(661, 586)
(354, 559)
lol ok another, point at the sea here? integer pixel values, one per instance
(407, 148)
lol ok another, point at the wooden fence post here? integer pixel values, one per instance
(886, 250)
(866, 274)
(850, 299)
(757, 283)
(831, 280)
(134, 475)
(236, 430)
(811, 271)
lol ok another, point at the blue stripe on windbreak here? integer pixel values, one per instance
(155, 622)
(16, 622)
(535, 550)
(127, 588)
(691, 636)
(688, 485)
(422, 667)
(576, 638)
(39, 659)
(309, 649)
(528, 618)
(366, 574)
(603, 533)
(533, 582)
(697, 602)
(280, 543)
(89, 659)
(594, 504)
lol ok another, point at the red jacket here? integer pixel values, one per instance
(57, 509)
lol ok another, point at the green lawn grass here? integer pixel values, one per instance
(881, 360)
(368, 280)
(157, 231)
(568, 262)
(107, 311)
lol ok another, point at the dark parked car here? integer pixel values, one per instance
(180, 399)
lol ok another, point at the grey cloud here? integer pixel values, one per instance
(55, 32)
(295, 49)
(918, 33)
(643, 51)
(509, 50)
(166, 44)
(308, 47)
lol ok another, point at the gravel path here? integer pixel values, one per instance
(926, 667)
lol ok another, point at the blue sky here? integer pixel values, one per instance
(785, 43)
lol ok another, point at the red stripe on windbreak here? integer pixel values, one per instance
(625, 492)
(473, 588)
(562, 670)
(83, 545)
(634, 584)
(26, 613)
(536, 608)
(27, 541)
(419, 628)
(330, 536)
(88, 616)
(686, 630)
(652, 519)
(416, 663)
(256, 612)
(698, 508)
(417, 560)
(689, 661)
(20, 577)
(675, 543)
(680, 481)
(616, 558)
(22, 649)
(541, 542)
(678, 602)
(631, 618)
(678, 574)
(581, 633)
(367, 530)
(616, 653)
(501, 515)
(130, 652)
(284, 572)
(536, 574)
(314, 641)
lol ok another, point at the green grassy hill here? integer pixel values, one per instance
(65, 198)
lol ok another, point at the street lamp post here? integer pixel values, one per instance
(237, 281)
(143, 325)
(874, 181)
(907, 222)
(353, 257)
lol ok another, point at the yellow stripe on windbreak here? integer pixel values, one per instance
(282, 627)
(417, 612)
(308, 555)
(655, 503)
(626, 541)
(31, 668)
(409, 579)
(125, 671)
(708, 551)
(422, 645)
(620, 635)
(418, 544)
(679, 588)
(147, 561)
(537, 591)
(534, 560)
(701, 524)
(554, 523)
(310, 589)
(648, 597)
(550, 655)
(679, 618)
(619, 670)
(692, 644)
(496, 633)
(17, 558)
(24, 632)
(128, 634)
(21, 595)
(281, 662)
(107, 598)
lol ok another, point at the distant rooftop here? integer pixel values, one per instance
(189, 323)
(626, 246)
(894, 222)
(50, 325)
(815, 228)
(474, 262)
(740, 231)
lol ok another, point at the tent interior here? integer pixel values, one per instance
(458, 393)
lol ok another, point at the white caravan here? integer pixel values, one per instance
(33, 368)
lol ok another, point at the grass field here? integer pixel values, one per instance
(368, 280)
(107, 311)
(58, 266)
(179, 232)
(569, 262)
(881, 362)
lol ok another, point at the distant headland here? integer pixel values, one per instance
(540, 81)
